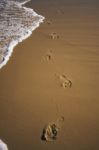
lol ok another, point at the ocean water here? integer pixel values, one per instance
(16, 24)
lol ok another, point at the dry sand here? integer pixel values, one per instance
(34, 85)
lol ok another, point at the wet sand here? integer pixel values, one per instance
(33, 89)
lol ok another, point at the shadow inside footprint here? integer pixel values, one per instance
(50, 131)
(64, 81)
(48, 56)
(53, 36)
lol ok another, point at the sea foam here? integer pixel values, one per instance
(16, 24)
(3, 146)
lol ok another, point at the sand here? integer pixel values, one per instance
(34, 87)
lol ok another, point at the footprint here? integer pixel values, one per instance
(64, 81)
(50, 131)
(53, 36)
(48, 56)
(49, 22)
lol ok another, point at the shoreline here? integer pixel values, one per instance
(28, 33)
(54, 74)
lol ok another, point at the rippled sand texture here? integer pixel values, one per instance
(16, 23)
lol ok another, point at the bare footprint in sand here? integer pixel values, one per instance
(48, 56)
(64, 81)
(53, 36)
(50, 131)
(49, 22)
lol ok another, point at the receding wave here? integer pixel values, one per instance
(3, 146)
(16, 24)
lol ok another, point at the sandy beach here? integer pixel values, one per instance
(54, 73)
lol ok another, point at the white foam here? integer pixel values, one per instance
(3, 146)
(25, 2)
(25, 33)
